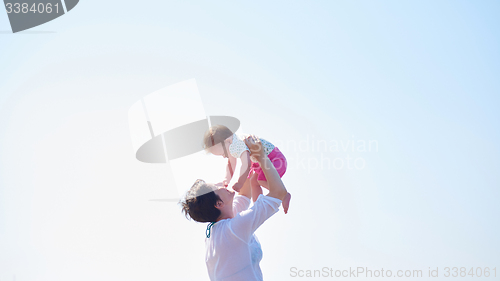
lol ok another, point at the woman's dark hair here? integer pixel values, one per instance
(200, 202)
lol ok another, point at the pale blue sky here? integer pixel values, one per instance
(419, 77)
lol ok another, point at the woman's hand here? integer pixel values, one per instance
(257, 153)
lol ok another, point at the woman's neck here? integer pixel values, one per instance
(226, 214)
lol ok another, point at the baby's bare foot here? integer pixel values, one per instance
(286, 202)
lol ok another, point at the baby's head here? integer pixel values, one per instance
(215, 138)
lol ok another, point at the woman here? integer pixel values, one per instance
(233, 252)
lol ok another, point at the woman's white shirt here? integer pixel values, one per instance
(232, 251)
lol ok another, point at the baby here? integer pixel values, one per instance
(219, 140)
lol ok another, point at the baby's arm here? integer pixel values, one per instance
(231, 165)
(244, 170)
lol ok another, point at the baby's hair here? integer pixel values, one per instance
(216, 134)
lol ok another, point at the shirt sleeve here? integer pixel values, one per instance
(240, 203)
(268, 147)
(244, 224)
(237, 147)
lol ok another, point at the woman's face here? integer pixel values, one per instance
(225, 195)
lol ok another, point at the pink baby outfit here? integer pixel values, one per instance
(238, 146)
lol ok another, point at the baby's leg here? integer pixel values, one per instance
(256, 189)
(286, 200)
